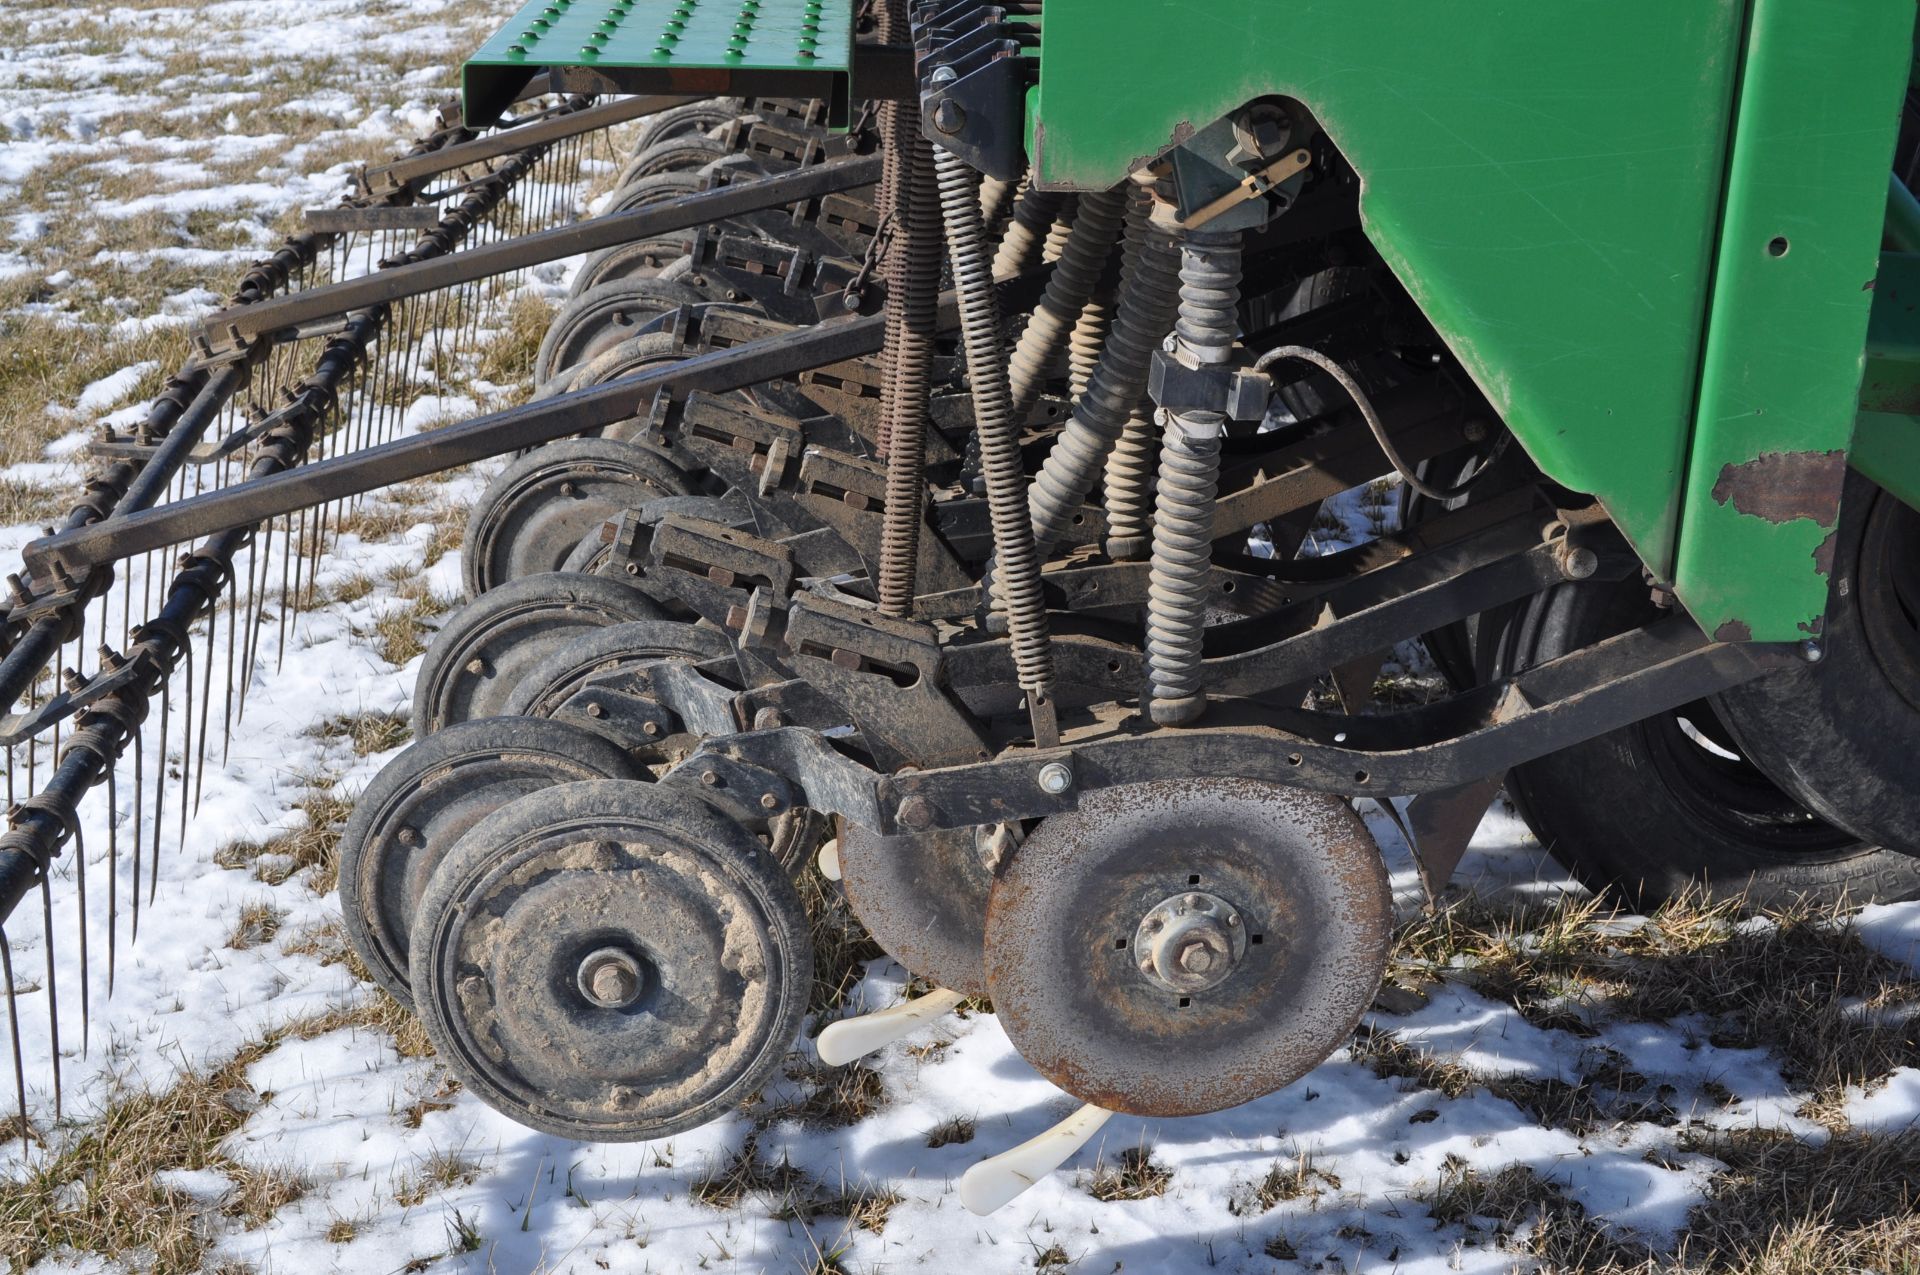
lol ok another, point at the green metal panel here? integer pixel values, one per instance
(692, 46)
(1544, 178)
(1800, 247)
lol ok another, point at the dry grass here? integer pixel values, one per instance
(257, 923)
(1298, 1177)
(790, 1193)
(950, 1132)
(99, 1194)
(439, 1171)
(1797, 982)
(841, 947)
(507, 360)
(835, 1097)
(313, 848)
(368, 733)
(1133, 1176)
(375, 1012)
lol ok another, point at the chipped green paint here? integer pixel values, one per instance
(1781, 375)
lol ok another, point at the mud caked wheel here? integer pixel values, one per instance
(533, 515)
(611, 961)
(477, 660)
(425, 799)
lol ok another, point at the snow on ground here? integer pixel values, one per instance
(1345, 1170)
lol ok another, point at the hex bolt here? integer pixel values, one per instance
(609, 978)
(1577, 562)
(1812, 652)
(709, 777)
(769, 802)
(650, 729)
(596, 709)
(915, 812)
(1055, 778)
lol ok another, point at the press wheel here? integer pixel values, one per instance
(611, 962)
(478, 658)
(421, 802)
(534, 513)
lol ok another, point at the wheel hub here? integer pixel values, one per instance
(1190, 942)
(610, 978)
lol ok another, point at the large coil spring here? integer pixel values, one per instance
(1189, 478)
(913, 278)
(996, 426)
(1083, 255)
(1149, 291)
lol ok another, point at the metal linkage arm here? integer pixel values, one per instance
(512, 136)
(237, 326)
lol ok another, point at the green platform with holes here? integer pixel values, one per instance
(664, 46)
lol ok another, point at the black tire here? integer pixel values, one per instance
(425, 799)
(687, 153)
(714, 928)
(534, 513)
(689, 117)
(1667, 804)
(644, 259)
(548, 683)
(601, 318)
(481, 654)
(1843, 734)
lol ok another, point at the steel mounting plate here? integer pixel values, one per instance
(776, 48)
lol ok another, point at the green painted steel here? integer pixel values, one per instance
(1544, 178)
(678, 40)
(1800, 247)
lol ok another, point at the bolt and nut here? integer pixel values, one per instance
(1055, 778)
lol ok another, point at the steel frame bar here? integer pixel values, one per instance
(237, 326)
(401, 174)
(1576, 697)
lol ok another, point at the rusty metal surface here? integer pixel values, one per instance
(923, 898)
(1304, 876)
(1783, 486)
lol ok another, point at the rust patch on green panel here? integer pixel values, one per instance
(1783, 486)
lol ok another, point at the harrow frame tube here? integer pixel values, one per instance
(237, 326)
(481, 438)
(557, 125)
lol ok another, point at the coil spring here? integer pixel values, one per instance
(913, 276)
(1189, 478)
(995, 426)
(1083, 255)
(1149, 291)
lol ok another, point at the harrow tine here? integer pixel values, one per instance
(113, 868)
(206, 707)
(53, 990)
(13, 1033)
(86, 966)
(139, 766)
(186, 751)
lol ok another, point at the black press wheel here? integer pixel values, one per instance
(536, 511)
(477, 660)
(425, 799)
(611, 961)
(1671, 803)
